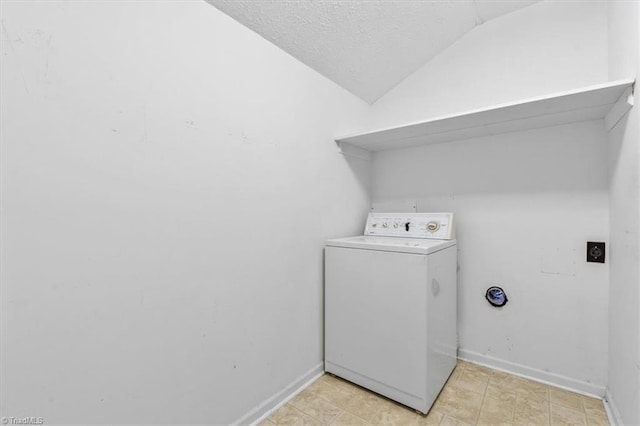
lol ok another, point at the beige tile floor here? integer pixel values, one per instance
(474, 395)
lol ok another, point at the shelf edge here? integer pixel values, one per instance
(619, 109)
(611, 84)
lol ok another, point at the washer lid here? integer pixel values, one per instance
(395, 244)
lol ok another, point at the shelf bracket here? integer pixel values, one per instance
(349, 150)
(619, 109)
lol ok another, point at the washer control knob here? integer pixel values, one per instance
(385, 225)
(433, 226)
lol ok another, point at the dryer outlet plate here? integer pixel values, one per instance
(596, 252)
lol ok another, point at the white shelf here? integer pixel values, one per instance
(589, 103)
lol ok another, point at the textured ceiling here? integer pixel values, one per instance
(366, 46)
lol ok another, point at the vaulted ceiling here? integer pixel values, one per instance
(366, 46)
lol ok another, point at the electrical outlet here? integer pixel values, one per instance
(595, 252)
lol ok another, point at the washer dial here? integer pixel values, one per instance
(433, 226)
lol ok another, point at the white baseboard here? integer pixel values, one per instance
(271, 404)
(557, 380)
(612, 410)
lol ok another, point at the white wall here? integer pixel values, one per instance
(526, 202)
(168, 179)
(624, 198)
(544, 48)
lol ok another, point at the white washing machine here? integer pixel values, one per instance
(390, 306)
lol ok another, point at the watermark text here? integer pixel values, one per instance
(22, 420)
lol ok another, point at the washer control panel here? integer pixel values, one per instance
(437, 226)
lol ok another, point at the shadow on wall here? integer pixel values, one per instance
(361, 169)
(562, 158)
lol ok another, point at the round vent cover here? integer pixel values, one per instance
(496, 296)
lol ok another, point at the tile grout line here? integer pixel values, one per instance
(459, 373)
(342, 410)
(338, 415)
(464, 369)
(549, 403)
(584, 409)
(358, 417)
(484, 396)
(302, 412)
